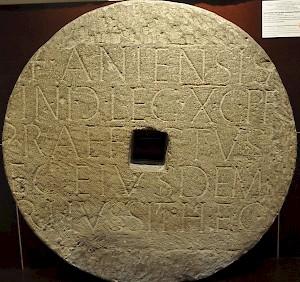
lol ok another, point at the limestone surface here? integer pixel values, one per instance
(174, 68)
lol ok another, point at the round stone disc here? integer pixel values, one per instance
(149, 141)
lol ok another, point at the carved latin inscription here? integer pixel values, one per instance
(178, 70)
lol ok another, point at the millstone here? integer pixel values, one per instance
(149, 141)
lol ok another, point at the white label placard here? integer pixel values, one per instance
(280, 18)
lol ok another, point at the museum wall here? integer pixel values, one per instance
(23, 29)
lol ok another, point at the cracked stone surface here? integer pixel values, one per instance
(180, 70)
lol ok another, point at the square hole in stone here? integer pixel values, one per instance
(148, 147)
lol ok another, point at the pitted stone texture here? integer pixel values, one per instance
(178, 69)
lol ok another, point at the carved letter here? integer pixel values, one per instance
(86, 102)
(18, 179)
(65, 141)
(194, 181)
(40, 96)
(76, 67)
